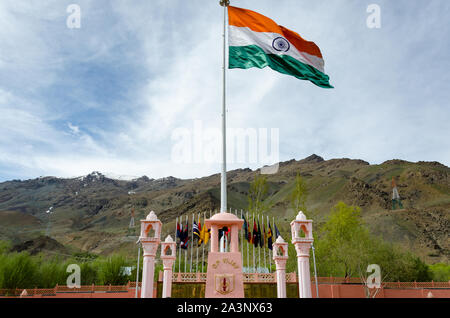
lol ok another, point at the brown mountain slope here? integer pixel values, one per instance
(93, 212)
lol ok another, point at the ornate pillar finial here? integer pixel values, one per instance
(302, 246)
(280, 256)
(150, 239)
(168, 256)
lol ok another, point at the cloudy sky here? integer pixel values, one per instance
(111, 95)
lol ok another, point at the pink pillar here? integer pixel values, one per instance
(280, 256)
(302, 246)
(214, 239)
(168, 257)
(148, 270)
(224, 278)
(150, 245)
(302, 250)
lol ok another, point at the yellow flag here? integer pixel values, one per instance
(207, 235)
(202, 234)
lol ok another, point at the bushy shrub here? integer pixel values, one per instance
(345, 248)
(18, 270)
(111, 270)
(52, 272)
(89, 273)
(440, 272)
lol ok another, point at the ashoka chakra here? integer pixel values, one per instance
(281, 44)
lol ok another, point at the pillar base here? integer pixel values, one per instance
(224, 278)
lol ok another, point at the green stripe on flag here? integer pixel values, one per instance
(253, 56)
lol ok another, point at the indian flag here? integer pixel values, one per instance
(257, 41)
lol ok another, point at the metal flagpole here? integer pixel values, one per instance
(315, 271)
(185, 251)
(273, 240)
(270, 258)
(253, 229)
(223, 183)
(248, 247)
(137, 271)
(242, 244)
(179, 247)
(259, 249)
(203, 244)
(192, 243)
(264, 240)
(198, 219)
(175, 238)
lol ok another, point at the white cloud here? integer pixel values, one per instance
(108, 96)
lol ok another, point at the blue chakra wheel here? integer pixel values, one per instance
(281, 44)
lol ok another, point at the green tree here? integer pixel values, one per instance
(298, 195)
(440, 272)
(345, 248)
(257, 194)
(342, 246)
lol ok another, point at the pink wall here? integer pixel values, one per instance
(325, 291)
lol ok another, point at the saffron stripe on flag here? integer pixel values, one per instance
(259, 23)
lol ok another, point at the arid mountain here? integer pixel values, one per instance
(92, 213)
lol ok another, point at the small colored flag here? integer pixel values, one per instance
(201, 238)
(255, 240)
(260, 236)
(178, 231)
(257, 41)
(185, 241)
(245, 228)
(196, 231)
(228, 233)
(207, 235)
(277, 233)
(269, 237)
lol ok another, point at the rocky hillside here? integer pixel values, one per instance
(92, 213)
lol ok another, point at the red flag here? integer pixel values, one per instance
(255, 235)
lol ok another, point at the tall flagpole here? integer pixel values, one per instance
(223, 183)
(175, 236)
(253, 229)
(264, 240)
(270, 258)
(179, 247)
(242, 244)
(185, 251)
(248, 248)
(203, 243)
(198, 218)
(259, 243)
(192, 243)
(137, 269)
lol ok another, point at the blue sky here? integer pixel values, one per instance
(108, 96)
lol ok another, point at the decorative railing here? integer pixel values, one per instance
(201, 278)
(292, 278)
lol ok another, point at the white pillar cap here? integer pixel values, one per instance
(169, 239)
(151, 216)
(300, 216)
